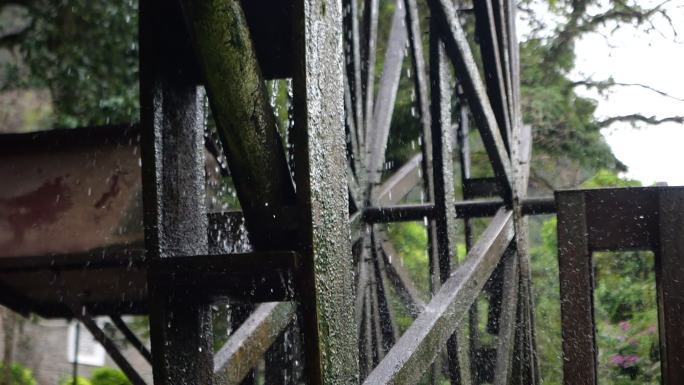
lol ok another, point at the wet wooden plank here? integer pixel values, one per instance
(400, 183)
(112, 349)
(247, 345)
(576, 291)
(458, 50)
(507, 321)
(369, 55)
(422, 342)
(172, 113)
(387, 320)
(489, 39)
(387, 93)
(670, 285)
(325, 282)
(400, 278)
(444, 216)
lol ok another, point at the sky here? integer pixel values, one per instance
(630, 55)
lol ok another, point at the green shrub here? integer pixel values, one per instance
(20, 375)
(79, 381)
(109, 376)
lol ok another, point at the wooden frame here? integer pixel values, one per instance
(648, 218)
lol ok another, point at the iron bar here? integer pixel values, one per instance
(351, 22)
(387, 321)
(261, 276)
(353, 175)
(422, 342)
(618, 219)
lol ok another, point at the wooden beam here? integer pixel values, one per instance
(131, 337)
(422, 342)
(396, 187)
(109, 346)
(247, 345)
(399, 276)
(369, 54)
(489, 39)
(325, 280)
(172, 113)
(351, 24)
(244, 118)
(670, 285)
(458, 50)
(444, 215)
(576, 291)
(507, 321)
(378, 130)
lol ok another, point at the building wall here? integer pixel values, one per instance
(42, 346)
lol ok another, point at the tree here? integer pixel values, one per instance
(566, 130)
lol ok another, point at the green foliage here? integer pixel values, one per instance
(19, 375)
(607, 178)
(109, 376)
(86, 54)
(626, 317)
(563, 123)
(410, 241)
(79, 381)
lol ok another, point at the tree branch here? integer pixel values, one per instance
(579, 23)
(602, 85)
(634, 118)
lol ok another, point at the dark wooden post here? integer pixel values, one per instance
(172, 118)
(576, 290)
(445, 215)
(670, 285)
(326, 277)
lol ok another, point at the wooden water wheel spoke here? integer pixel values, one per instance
(490, 42)
(378, 131)
(458, 50)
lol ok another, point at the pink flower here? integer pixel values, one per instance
(617, 359)
(630, 360)
(624, 325)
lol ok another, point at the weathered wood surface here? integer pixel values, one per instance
(421, 343)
